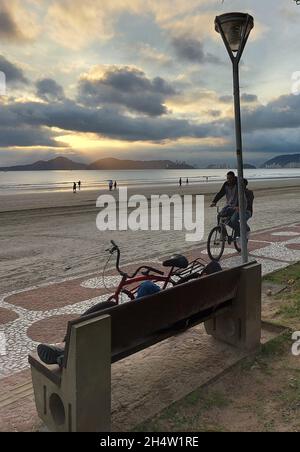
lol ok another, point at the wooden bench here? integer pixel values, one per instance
(78, 396)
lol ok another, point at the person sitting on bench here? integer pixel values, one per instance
(52, 354)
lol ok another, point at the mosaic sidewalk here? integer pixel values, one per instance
(41, 314)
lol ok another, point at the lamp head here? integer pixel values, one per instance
(235, 28)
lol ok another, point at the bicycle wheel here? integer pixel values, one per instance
(216, 243)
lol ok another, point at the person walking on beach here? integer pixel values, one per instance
(79, 185)
(74, 187)
(187, 181)
(180, 182)
(110, 185)
(115, 185)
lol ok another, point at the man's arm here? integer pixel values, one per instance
(220, 195)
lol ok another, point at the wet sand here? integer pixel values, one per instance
(87, 198)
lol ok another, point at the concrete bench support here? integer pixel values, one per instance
(80, 399)
(241, 326)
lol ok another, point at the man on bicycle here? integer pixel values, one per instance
(230, 190)
(231, 210)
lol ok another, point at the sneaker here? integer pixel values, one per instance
(50, 354)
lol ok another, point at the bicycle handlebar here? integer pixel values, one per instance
(148, 269)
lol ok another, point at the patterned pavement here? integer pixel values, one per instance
(40, 314)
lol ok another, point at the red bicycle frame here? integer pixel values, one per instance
(135, 280)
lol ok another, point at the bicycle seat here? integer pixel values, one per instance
(177, 261)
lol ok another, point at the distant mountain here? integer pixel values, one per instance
(283, 161)
(248, 166)
(63, 163)
(59, 163)
(116, 164)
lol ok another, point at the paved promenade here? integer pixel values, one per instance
(40, 314)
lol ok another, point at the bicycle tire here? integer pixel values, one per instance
(212, 256)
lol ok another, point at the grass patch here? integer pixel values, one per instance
(289, 308)
(276, 347)
(285, 275)
(187, 414)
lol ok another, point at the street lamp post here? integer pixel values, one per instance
(235, 29)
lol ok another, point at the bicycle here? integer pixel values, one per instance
(180, 271)
(218, 237)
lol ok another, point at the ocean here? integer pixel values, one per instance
(38, 181)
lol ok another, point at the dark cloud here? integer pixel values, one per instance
(26, 136)
(249, 98)
(8, 28)
(226, 99)
(104, 122)
(13, 73)
(49, 90)
(214, 113)
(127, 88)
(281, 113)
(189, 49)
(246, 98)
(30, 123)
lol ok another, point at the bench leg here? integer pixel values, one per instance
(82, 402)
(241, 326)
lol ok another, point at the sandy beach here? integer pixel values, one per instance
(51, 236)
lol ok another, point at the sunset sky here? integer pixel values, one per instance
(144, 79)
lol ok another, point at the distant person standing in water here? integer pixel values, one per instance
(110, 185)
(180, 182)
(74, 187)
(187, 181)
(115, 185)
(79, 185)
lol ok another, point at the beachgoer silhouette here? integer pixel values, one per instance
(115, 185)
(74, 187)
(180, 182)
(79, 185)
(110, 185)
(187, 181)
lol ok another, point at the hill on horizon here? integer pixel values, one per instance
(283, 161)
(117, 164)
(58, 163)
(63, 163)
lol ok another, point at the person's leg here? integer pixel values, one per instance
(225, 212)
(234, 223)
(51, 354)
(248, 216)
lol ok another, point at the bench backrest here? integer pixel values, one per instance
(136, 322)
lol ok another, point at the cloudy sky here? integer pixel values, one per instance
(146, 79)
